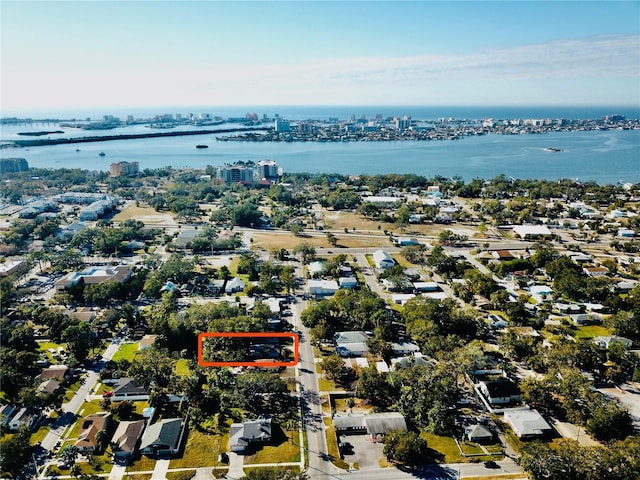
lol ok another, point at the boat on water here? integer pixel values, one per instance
(553, 149)
(102, 154)
(202, 146)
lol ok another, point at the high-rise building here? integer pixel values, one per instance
(123, 169)
(268, 170)
(282, 125)
(237, 173)
(12, 165)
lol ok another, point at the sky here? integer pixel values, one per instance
(64, 55)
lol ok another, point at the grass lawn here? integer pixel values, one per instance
(279, 450)
(127, 351)
(142, 464)
(45, 346)
(219, 472)
(201, 450)
(470, 448)
(445, 446)
(326, 385)
(71, 390)
(590, 331)
(403, 261)
(138, 476)
(39, 434)
(332, 446)
(182, 367)
(183, 475)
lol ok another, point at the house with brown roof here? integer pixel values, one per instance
(124, 440)
(91, 425)
(57, 372)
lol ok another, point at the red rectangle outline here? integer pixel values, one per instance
(296, 350)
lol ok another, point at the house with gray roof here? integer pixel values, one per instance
(127, 389)
(162, 438)
(243, 435)
(527, 423)
(373, 424)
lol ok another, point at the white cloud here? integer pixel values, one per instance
(366, 80)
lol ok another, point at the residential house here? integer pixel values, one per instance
(500, 392)
(348, 282)
(125, 438)
(402, 298)
(541, 293)
(595, 271)
(5, 413)
(146, 342)
(405, 241)
(382, 259)
(426, 286)
(243, 435)
(351, 344)
(409, 361)
(48, 386)
(234, 285)
(404, 348)
(127, 389)
(91, 425)
(322, 287)
(163, 437)
(606, 341)
(527, 423)
(316, 268)
(58, 372)
(26, 417)
(478, 433)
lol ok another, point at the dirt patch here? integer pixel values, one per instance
(146, 215)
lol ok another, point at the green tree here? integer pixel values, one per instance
(16, 453)
(332, 366)
(406, 447)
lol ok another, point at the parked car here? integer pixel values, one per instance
(107, 394)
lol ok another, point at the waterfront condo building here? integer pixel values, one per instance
(123, 169)
(268, 170)
(237, 173)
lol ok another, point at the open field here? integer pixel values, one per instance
(590, 331)
(127, 351)
(201, 450)
(147, 215)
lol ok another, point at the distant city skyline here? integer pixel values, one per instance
(148, 54)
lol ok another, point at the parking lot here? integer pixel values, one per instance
(365, 453)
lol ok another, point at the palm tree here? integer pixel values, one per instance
(101, 438)
(75, 470)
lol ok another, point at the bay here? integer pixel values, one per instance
(602, 156)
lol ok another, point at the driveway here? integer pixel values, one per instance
(365, 452)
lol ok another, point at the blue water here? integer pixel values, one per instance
(601, 156)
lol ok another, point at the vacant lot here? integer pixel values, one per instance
(147, 215)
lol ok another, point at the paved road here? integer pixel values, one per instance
(70, 410)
